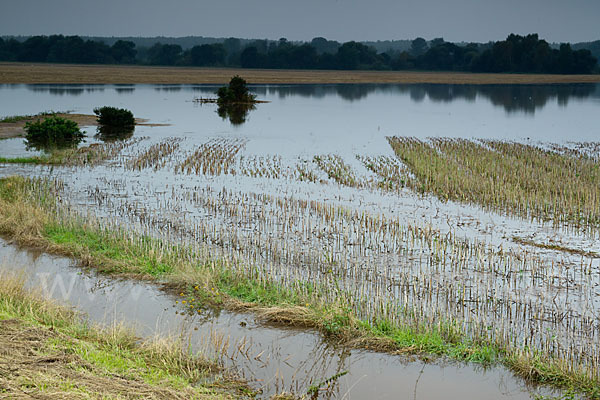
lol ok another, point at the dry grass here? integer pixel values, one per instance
(336, 169)
(215, 157)
(156, 156)
(98, 74)
(525, 180)
(46, 351)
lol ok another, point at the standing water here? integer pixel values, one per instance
(273, 359)
(292, 191)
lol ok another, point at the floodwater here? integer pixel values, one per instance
(338, 118)
(302, 121)
(238, 191)
(272, 359)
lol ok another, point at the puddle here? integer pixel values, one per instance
(270, 358)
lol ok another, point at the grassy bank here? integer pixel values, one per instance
(107, 74)
(48, 351)
(557, 184)
(28, 215)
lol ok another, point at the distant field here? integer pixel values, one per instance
(99, 74)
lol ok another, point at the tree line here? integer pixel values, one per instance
(516, 54)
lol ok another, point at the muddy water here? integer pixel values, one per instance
(273, 359)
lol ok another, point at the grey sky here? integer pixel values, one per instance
(343, 20)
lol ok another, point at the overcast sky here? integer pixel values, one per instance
(342, 20)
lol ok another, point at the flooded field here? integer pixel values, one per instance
(321, 191)
(272, 359)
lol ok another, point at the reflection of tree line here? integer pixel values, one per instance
(526, 98)
(62, 90)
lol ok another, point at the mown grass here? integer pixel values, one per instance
(521, 179)
(59, 355)
(28, 217)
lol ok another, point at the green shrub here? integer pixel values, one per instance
(53, 132)
(115, 117)
(236, 92)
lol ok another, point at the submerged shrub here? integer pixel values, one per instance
(236, 92)
(53, 132)
(235, 101)
(115, 117)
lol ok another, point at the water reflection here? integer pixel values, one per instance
(125, 90)
(168, 88)
(66, 90)
(236, 113)
(272, 358)
(512, 98)
(47, 145)
(112, 134)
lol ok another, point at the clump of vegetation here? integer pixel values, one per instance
(53, 132)
(235, 93)
(114, 123)
(113, 117)
(235, 101)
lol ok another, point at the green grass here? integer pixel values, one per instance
(92, 357)
(55, 157)
(117, 359)
(86, 155)
(17, 118)
(206, 282)
(111, 250)
(23, 160)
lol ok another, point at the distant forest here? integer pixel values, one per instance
(516, 54)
